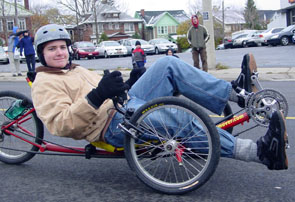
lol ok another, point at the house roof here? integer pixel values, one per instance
(105, 9)
(10, 11)
(151, 17)
(266, 15)
(230, 16)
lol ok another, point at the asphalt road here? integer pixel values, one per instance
(63, 179)
(279, 56)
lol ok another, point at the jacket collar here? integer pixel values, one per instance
(54, 70)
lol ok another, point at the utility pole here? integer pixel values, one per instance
(15, 13)
(208, 23)
(223, 33)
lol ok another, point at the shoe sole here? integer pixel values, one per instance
(282, 157)
(252, 69)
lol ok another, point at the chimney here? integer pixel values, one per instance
(27, 6)
(142, 13)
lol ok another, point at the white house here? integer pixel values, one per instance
(285, 16)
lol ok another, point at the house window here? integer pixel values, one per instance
(115, 15)
(162, 30)
(10, 24)
(117, 26)
(22, 24)
(128, 27)
(110, 26)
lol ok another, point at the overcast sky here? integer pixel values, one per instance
(136, 5)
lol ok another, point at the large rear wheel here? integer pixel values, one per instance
(14, 150)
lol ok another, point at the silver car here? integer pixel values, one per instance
(130, 45)
(261, 38)
(162, 45)
(3, 56)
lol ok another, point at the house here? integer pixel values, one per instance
(285, 16)
(233, 20)
(7, 21)
(160, 24)
(114, 23)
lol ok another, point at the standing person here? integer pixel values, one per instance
(74, 102)
(197, 36)
(138, 56)
(26, 44)
(14, 61)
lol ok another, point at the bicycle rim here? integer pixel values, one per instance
(28, 128)
(176, 158)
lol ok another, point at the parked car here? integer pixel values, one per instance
(84, 49)
(22, 57)
(228, 43)
(162, 45)
(293, 38)
(111, 48)
(241, 40)
(3, 56)
(261, 38)
(284, 37)
(130, 45)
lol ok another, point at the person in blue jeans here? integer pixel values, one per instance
(26, 45)
(74, 102)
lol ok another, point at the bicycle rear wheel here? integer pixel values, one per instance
(14, 150)
(178, 149)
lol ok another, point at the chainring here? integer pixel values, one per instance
(262, 104)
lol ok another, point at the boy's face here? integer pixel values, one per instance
(195, 20)
(56, 54)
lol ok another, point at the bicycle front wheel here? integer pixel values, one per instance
(177, 147)
(14, 150)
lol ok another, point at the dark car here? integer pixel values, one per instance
(284, 37)
(84, 49)
(228, 43)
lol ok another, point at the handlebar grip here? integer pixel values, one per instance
(106, 72)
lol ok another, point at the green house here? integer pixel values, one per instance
(160, 24)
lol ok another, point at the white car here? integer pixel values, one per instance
(162, 45)
(3, 56)
(130, 45)
(111, 48)
(22, 58)
(241, 41)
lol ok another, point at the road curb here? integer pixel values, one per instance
(264, 74)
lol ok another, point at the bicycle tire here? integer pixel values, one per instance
(168, 163)
(31, 123)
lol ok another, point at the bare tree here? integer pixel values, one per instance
(4, 21)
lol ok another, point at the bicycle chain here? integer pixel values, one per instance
(262, 104)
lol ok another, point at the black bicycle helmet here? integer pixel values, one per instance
(50, 32)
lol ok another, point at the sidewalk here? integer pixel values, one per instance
(265, 74)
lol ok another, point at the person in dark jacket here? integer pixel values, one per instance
(138, 56)
(26, 44)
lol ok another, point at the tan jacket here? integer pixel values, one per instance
(59, 97)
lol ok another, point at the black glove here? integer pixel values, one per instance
(111, 85)
(135, 74)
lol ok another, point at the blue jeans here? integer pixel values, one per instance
(167, 76)
(30, 59)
